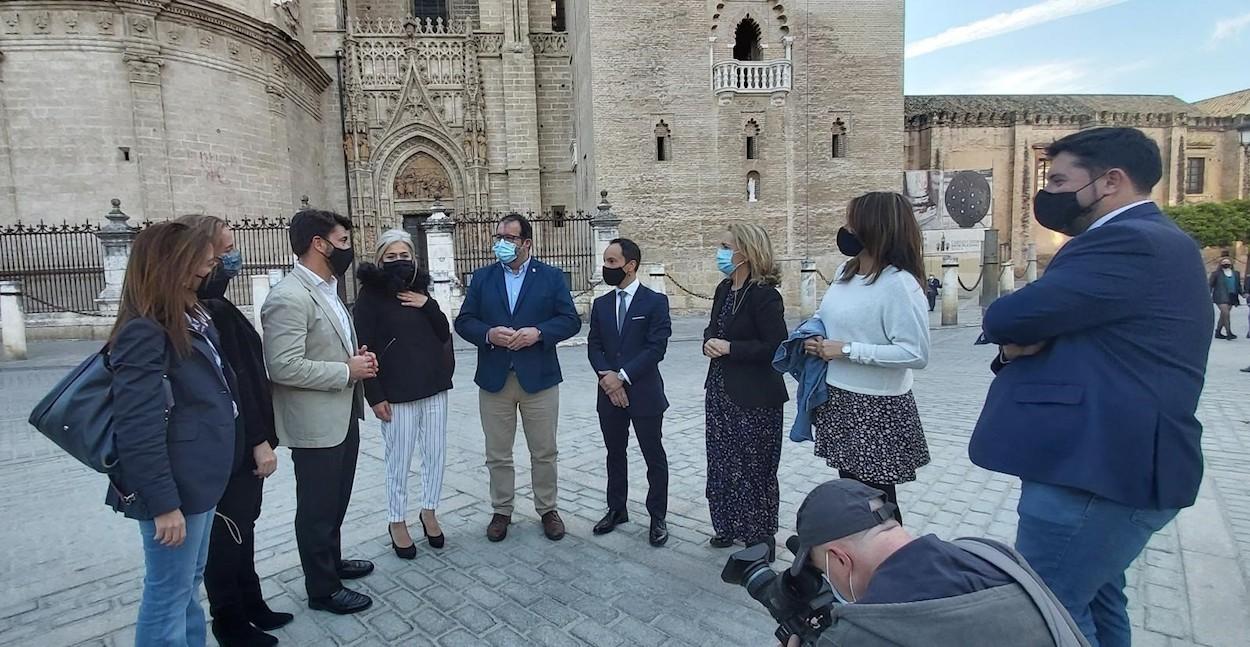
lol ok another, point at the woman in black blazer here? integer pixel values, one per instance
(175, 451)
(396, 318)
(744, 394)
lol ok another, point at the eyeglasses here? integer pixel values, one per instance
(515, 240)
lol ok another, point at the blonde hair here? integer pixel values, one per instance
(390, 237)
(753, 243)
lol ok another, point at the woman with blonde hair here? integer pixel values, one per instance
(745, 395)
(396, 316)
(876, 323)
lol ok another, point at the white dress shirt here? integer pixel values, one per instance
(1107, 218)
(625, 294)
(331, 291)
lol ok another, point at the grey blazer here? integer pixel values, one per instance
(306, 353)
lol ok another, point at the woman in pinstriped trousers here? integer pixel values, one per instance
(397, 320)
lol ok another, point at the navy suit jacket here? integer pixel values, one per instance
(1108, 407)
(178, 458)
(638, 348)
(544, 303)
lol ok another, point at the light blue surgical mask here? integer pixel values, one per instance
(231, 263)
(505, 251)
(725, 261)
(837, 595)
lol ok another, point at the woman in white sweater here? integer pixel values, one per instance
(876, 323)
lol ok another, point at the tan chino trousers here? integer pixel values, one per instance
(539, 414)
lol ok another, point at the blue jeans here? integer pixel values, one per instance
(1081, 544)
(170, 613)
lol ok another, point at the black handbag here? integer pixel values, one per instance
(77, 414)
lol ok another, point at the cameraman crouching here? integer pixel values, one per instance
(899, 590)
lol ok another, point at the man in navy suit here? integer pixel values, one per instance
(629, 331)
(1097, 380)
(516, 311)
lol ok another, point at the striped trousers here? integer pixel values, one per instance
(423, 423)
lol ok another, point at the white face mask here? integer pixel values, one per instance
(850, 580)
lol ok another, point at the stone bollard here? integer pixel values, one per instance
(117, 238)
(441, 249)
(950, 291)
(607, 228)
(1030, 267)
(1007, 279)
(807, 288)
(260, 292)
(657, 278)
(12, 320)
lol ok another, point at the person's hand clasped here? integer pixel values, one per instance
(363, 365)
(716, 348)
(612, 385)
(383, 411)
(825, 349)
(171, 529)
(500, 336)
(524, 338)
(266, 460)
(1012, 352)
(412, 299)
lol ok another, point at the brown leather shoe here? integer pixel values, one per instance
(553, 526)
(498, 528)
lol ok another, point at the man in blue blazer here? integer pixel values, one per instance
(629, 331)
(1098, 380)
(516, 311)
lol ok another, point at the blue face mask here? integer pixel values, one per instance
(725, 261)
(231, 263)
(505, 251)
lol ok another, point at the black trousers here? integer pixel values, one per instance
(615, 428)
(932, 300)
(323, 488)
(230, 573)
(891, 493)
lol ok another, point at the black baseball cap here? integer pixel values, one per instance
(837, 509)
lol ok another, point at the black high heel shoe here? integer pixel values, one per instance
(435, 541)
(402, 552)
(720, 542)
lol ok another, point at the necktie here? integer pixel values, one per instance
(620, 309)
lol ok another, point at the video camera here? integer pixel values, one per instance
(799, 603)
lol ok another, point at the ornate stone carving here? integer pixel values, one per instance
(42, 22)
(407, 27)
(234, 48)
(174, 35)
(489, 44)
(105, 23)
(550, 44)
(206, 40)
(12, 23)
(422, 178)
(141, 26)
(143, 69)
(70, 18)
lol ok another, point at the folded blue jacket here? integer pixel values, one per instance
(808, 371)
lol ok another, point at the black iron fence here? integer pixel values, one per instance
(564, 240)
(265, 245)
(61, 266)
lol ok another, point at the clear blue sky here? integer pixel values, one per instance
(1193, 49)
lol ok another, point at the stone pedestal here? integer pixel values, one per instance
(117, 238)
(260, 292)
(440, 245)
(1007, 279)
(950, 291)
(1030, 259)
(12, 320)
(607, 228)
(656, 278)
(808, 288)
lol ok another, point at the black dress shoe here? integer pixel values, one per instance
(342, 602)
(236, 631)
(266, 619)
(402, 552)
(610, 521)
(720, 542)
(659, 532)
(354, 569)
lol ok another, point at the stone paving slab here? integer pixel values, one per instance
(71, 568)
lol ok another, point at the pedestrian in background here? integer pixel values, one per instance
(395, 315)
(932, 288)
(744, 395)
(877, 333)
(174, 416)
(235, 601)
(1225, 284)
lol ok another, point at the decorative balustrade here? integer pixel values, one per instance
(752, 77)
(408, 27)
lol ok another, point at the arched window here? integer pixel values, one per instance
(753, 186)
(747, 41)
(663, 135)
(430, 9)
(839, 139)
(557, 16)
(752, 140)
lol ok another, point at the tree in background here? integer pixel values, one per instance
(1214, 224)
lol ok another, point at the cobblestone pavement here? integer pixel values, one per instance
(71, 569)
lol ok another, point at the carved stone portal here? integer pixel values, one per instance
(422, 178)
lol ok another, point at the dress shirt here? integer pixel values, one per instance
(1103, 220)
(331, 291)
(514, 281)
(625, 294)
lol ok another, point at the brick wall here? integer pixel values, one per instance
(554, 89)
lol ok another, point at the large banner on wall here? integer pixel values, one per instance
(953, 208)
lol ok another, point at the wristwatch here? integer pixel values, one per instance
(846, 349)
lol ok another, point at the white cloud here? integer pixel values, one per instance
(1075, 76)
(1229, 27)
(1006, 22)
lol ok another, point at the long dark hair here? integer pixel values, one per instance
(884, 223)
(164, 258)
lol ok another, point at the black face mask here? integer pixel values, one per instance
(341, 259)
(401, 271)
(848, 243)
(214, 286)
(613, 276)
(1057, 211)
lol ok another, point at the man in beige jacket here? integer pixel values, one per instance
(316, 370)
